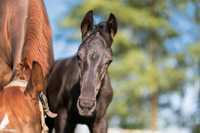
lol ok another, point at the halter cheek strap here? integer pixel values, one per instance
(20, 83)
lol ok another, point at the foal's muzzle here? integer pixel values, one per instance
(86, 106)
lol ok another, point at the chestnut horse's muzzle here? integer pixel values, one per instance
(86, 106)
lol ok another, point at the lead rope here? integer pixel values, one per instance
(44, 109)
(45, 129)
(44, 101)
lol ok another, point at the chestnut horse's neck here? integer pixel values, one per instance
(38, 43)
(25, 35)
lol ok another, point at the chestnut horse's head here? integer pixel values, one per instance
(19, 109)
(94, 57)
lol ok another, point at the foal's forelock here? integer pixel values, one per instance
(95, 35)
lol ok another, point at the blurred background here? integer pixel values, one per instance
(156, 68)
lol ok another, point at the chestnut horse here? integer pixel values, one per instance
(25, 37)
(79, 88)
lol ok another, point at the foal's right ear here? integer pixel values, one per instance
(36, 82)
(112, 25)
(87, 23)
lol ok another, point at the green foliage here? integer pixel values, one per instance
(195, 52)
(194, 60)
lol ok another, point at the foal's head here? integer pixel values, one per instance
(94, 56)
(19, 104)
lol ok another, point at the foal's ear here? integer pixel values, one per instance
(87, 23)
(112, 25)
(36, 82)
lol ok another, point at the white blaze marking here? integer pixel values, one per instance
(4, 122)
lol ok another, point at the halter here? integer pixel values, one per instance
(20, 83)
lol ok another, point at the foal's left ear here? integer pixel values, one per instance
(112, 25)
(36, 82)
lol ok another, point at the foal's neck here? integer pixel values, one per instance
(72, 71)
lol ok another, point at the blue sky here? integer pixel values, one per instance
(57, 9)
(183, 23)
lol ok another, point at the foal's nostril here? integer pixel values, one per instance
(86, 104)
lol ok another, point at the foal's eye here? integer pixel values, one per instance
(109, 62)
(79, 59)
(80, 55)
